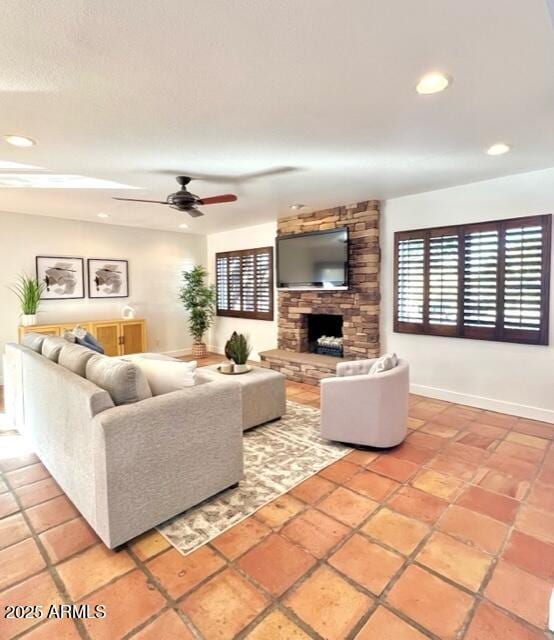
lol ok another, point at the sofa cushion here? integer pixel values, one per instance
(384, 363)
(52, 346)
(33, 341)
(124, 381)
(165, 376)
(75, 358)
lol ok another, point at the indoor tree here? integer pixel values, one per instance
(198, 298)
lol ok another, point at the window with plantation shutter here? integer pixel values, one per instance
(244, 283)
(524, 275)
(481, 247)
(443, 280)
(410, 280)
(487, 281)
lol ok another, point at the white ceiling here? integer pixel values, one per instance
(137, 91)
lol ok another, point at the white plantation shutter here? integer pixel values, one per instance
(244, 281)
(487, 281)
(410, 281)
(443, 280)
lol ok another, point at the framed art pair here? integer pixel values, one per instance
(64, 277)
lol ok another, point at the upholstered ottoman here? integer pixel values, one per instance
(263, 394)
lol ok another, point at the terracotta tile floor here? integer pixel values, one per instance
(449, 536)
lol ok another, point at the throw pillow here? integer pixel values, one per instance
(52, 346)
(124, 381)
(75, 358)
(165, 376)
(384, 363)
(90, 342)
(192, 364)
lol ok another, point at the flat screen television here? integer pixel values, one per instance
(316, 260)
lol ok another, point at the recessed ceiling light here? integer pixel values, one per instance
(433, 82)
(498, 149)
(184, 225)
(19, 141)
(103, 215)
(296, 207)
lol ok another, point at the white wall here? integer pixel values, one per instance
(262, 333)
(156, 259)
(512, 378)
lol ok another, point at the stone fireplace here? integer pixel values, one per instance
(358, 307)
(324, 334)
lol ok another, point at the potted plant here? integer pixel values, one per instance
(237, 349)
(28, 291)
(199, 300)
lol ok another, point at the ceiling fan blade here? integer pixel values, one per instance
(194, 213)
(226, 197)
(137, 200)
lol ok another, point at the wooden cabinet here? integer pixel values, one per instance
(108, 335)
(132, 333)
(118, 337)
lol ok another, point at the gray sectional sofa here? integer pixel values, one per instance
(130, 467)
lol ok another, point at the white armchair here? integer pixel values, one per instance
(367, 410)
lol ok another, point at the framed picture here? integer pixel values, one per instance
(64, 277)
(108, 278)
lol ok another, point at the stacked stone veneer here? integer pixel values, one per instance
(359, 306)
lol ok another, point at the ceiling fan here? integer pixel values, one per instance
(184, 200)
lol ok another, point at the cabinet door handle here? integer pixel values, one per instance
(121, 340)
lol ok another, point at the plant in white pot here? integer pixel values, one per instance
(198, 298)
(238, 350)
(28, 292)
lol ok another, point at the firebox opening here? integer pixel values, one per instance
(325, 334)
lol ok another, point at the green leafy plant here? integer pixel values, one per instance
(28, 292)
(198, 298)
(237, 348)
(229, 346)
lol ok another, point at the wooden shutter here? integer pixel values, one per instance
(264, 282)
(525, 281)
(487, 281)
(244, 281)
(444, 281)
(480, 278)
(410, 281)
(221, 280)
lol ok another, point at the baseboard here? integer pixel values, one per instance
(500, 406)
(213, 349)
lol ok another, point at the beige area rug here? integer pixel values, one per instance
(277, 456)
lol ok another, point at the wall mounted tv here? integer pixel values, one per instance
(317, 260)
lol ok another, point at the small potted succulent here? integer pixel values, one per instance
(238, 350)
(28, 291)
